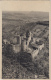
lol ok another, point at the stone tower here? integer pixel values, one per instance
(23, 45)
(28, 37)
(18, 40)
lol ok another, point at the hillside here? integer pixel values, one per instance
(21, 65)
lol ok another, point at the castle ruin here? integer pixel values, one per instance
(26, 43)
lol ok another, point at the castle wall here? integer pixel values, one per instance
(23, 45)
(16, 48)
(6, 41)
(18, 40)
(29, 39)
(34, 53)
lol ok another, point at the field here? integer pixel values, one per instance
(20, 65)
